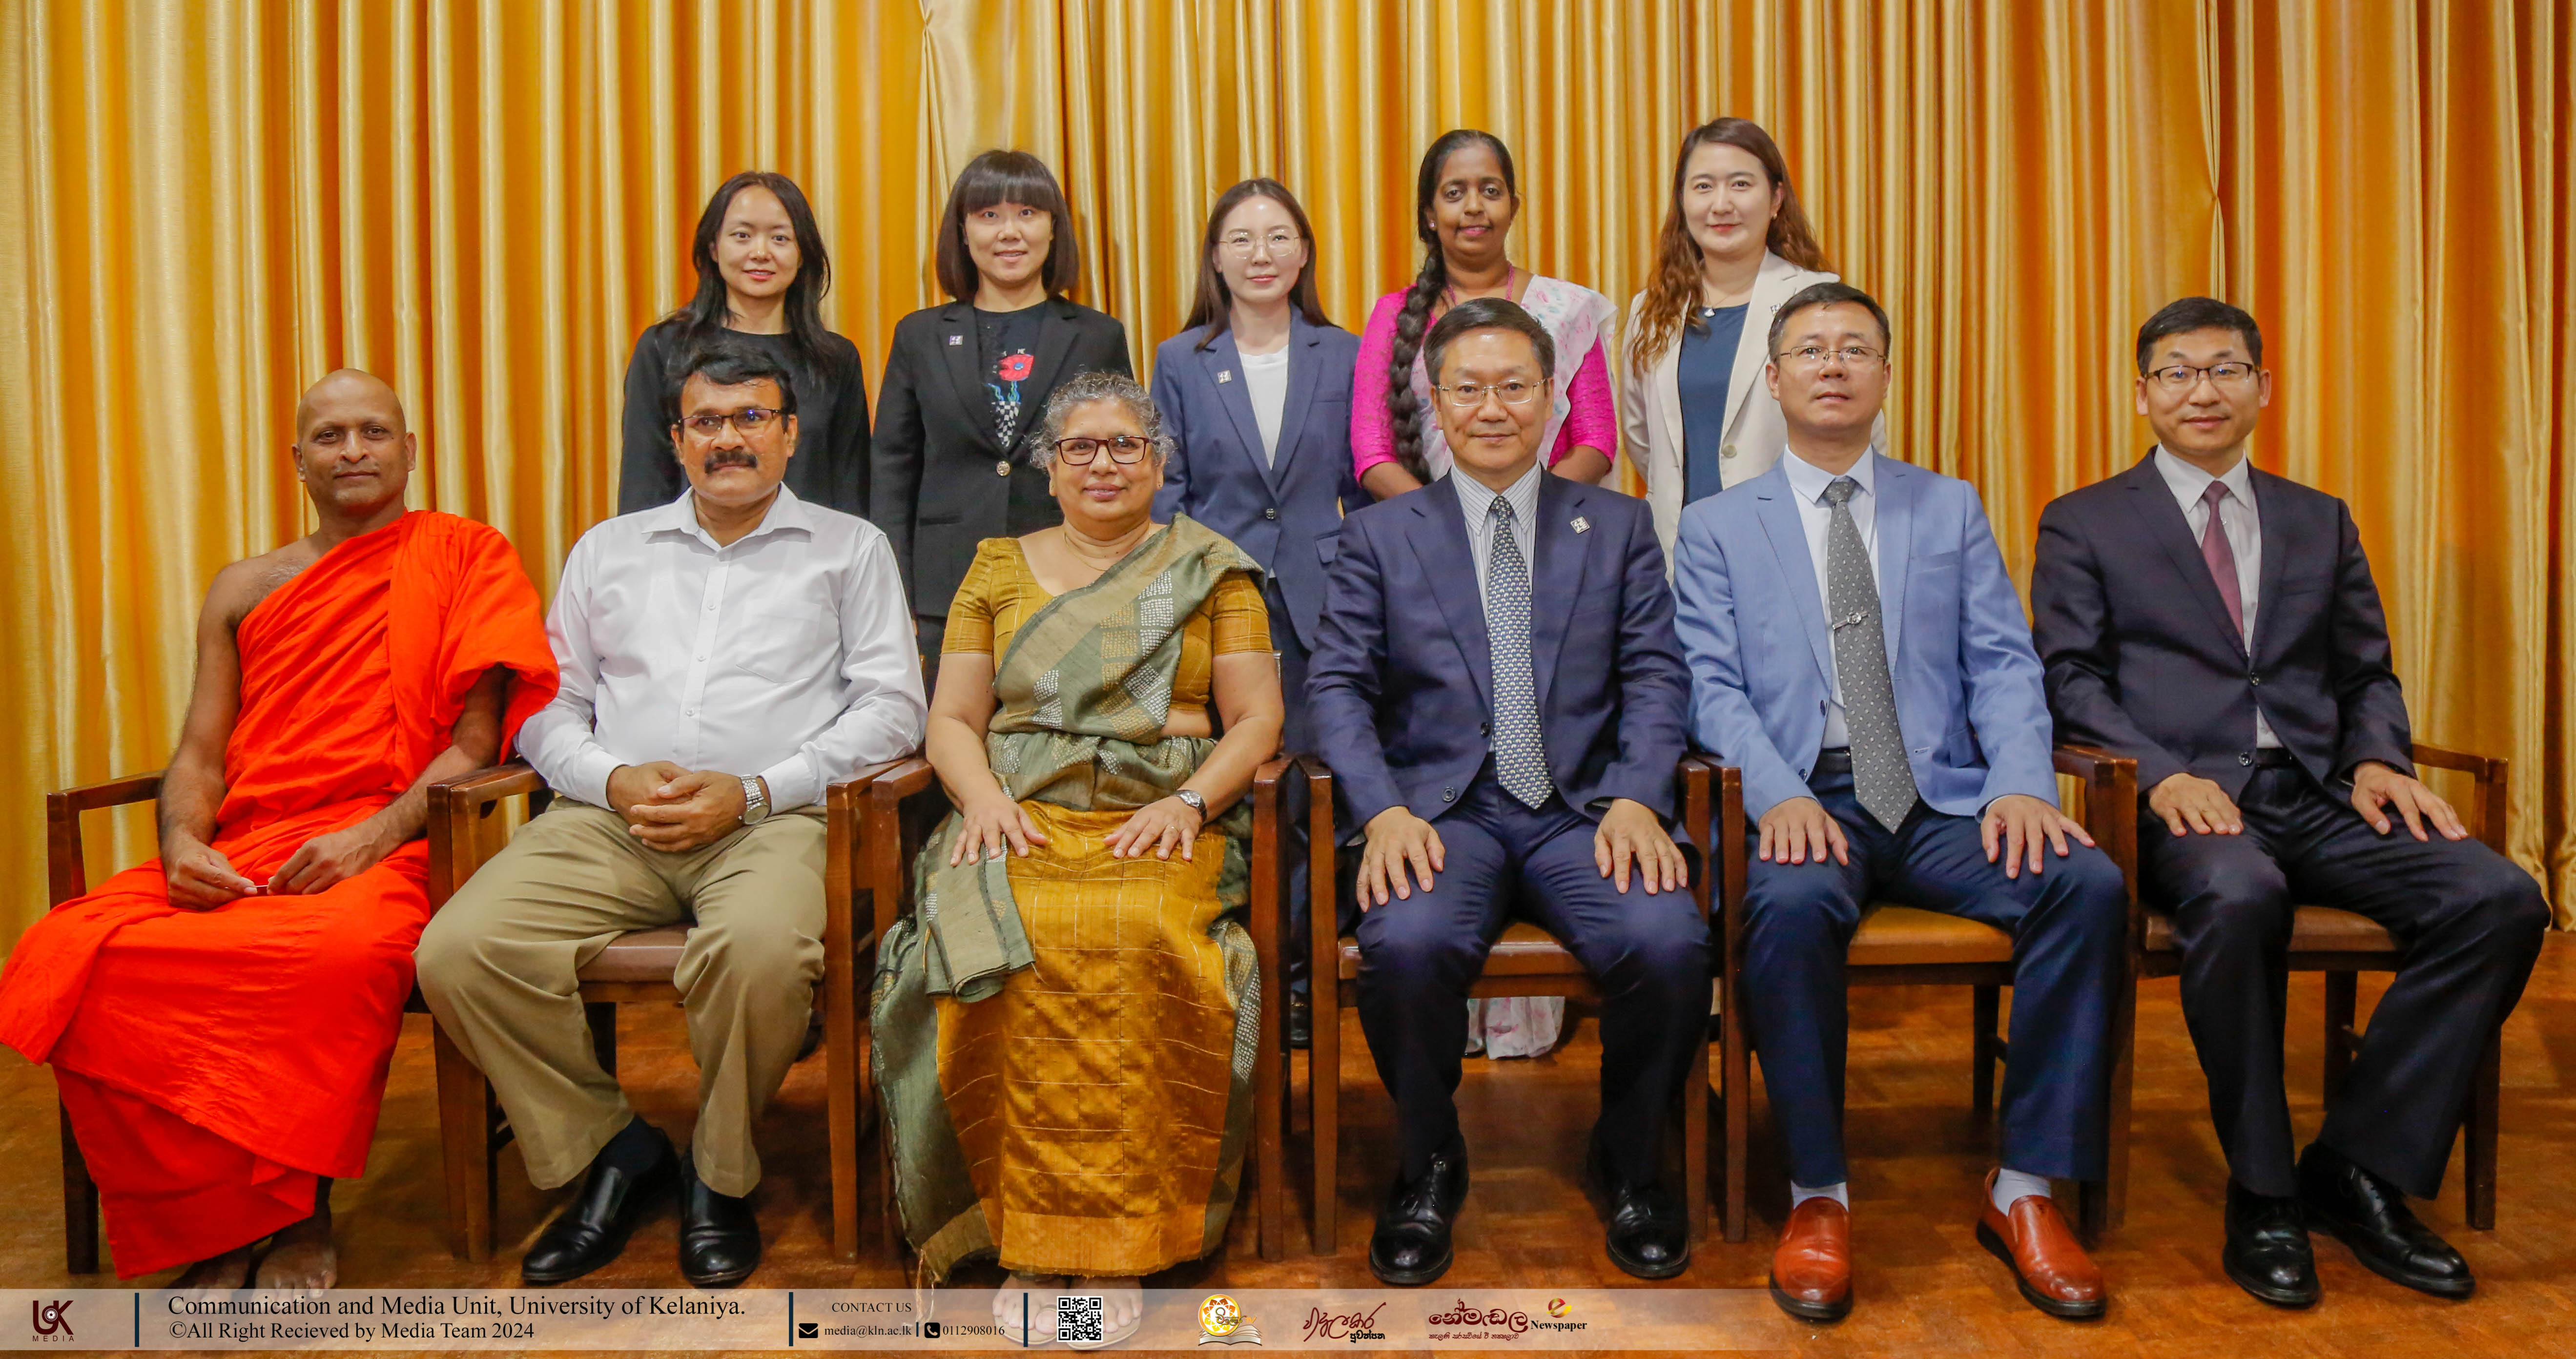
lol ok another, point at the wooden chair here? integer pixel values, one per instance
(1525, 961)
(1904, 946)
(2342, 945)
(905, 803)
(638, 967)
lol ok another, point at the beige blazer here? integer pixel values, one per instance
(1650, 404)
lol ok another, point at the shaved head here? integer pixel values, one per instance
(344, 387)
(352, 450)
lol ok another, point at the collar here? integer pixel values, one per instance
(681, 516)
(1477, 500)
(2189, 483)
(1808, 481)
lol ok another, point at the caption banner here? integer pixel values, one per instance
(885, 1319)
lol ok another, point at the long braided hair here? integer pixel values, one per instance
(1403, 408)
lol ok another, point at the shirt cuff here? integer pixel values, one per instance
(792, 783)
(588, 781)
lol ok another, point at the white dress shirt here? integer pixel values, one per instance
(1807, 484)
(2244, 529)
(1477, 500)
(788, 654)
(1265, 381)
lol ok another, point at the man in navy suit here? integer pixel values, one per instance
(2219, 625)
(1857, 648)
(1497, 689)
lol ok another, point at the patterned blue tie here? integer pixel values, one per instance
(1520, 758)
(1882, 778)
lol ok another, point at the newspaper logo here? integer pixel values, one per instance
(50, 1318)
(1222, 1321)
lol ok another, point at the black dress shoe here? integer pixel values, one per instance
(1411, 1245)
(1301, 1020)
(592, 1231)
(2370, 1215)
(719, 1237)
(1649, 1233)
(2267, 1248)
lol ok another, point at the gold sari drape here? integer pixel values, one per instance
(484, 200)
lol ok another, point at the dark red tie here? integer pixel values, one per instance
(2221, 556)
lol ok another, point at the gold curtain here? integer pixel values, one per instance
(484, 200)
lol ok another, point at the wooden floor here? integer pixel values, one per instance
(1923, 1285)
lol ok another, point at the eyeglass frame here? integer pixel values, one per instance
(688, 423)
(1064, 455)
(1850, 356)
(1296, 241)
(1492, 389)
(2155, 376)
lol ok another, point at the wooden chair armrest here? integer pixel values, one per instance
(2493, 785)
(66, 862)
(483, 787)
(861, 777)
(113, 793)
(901, 779)
(456, 807)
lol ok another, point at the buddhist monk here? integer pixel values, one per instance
(220, 1020)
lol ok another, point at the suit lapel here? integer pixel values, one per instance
(2164, 523)
(1775, 505)
(1055, 341)
(2276, 545)
(1895, 525)
(1223, 364)
(1556, 578)
(1302, 373)
(961, 354)
(1450, 562)
(1772, 287)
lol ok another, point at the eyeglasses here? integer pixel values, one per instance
(1469, 395)
(1281, 243)
(2182, 377)
(747, 421)
(1851, 356)
(1125, 449)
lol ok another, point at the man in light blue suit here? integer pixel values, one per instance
(1858, 650)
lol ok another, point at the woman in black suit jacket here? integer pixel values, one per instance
(966, 381)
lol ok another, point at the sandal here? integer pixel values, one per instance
(1033, 1322)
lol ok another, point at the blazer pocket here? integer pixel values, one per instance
(1936, 561)
(935, 520)
(1328, 546)
(787, 646)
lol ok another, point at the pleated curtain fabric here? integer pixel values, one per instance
(207, 205)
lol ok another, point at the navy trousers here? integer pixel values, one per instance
(1648, 955)
(2471, 923)
(2067, 922)
(1296, 737)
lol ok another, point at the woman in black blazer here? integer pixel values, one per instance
(966, 382)
(762, 271)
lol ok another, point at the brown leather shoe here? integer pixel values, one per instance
(1811, 1271)
(2052, 1269)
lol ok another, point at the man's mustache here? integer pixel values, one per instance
(719, 461)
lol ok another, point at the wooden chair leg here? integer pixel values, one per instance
(841, 1112)
(465, 1149)
(2478, 1156)
(1988, 1006)
(602, 1015)
(2342, 996)
(1736, 1080)
(1695, 1144)
(1324, 1095)
(80, 1205)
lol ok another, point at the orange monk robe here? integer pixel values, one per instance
(214, 1063)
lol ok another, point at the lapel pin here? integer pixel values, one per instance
(956, 340)
(1225, 375)
(1582, 525)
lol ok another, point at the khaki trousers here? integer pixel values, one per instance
(498, 965)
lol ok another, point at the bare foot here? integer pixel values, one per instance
(1122, 1306)
(1039, 1310)
(219, 1274)
(300, 1258)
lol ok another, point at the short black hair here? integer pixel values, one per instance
(2198, 313)
(727, 362)
(1004, 177)
(1826, 295)
(1487, 313)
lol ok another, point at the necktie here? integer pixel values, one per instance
(1520, 758)
(1882, 780)
(2221, 556)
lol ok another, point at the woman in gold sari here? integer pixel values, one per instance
(1065, 1024)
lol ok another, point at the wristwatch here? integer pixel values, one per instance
(755, 801)
(1197, 804)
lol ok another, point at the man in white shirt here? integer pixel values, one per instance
(1857, 648)
(726, 658)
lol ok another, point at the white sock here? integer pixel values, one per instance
(1839, 1192)
(2012, 1186)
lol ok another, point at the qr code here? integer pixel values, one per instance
(1077, 1317)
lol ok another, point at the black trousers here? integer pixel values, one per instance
(2471, 923)
(1296, 737)
(1648, 955)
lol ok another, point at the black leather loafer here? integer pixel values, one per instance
(2370, 1215)
(2267, 1253)
(593, 1229)
(1649, 1234)
(719, 1236)
(1301, 1020)
(1411, 1245)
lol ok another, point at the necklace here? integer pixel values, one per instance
(1449, 298)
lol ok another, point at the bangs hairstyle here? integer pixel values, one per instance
(1488, 313)
(1005, 177)
(1214, 306)
(2198, 313)
(1826, 295)
(1673, 289)
(708, 312)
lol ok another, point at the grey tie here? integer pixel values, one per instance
(1881, 778)
(1520, 758)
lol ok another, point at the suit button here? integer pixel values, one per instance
(2254, 679)
(1484, 729)
(2245, 757)
(1448, 794)
(1002, 468)
(1727, 452)
(1271, 513)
